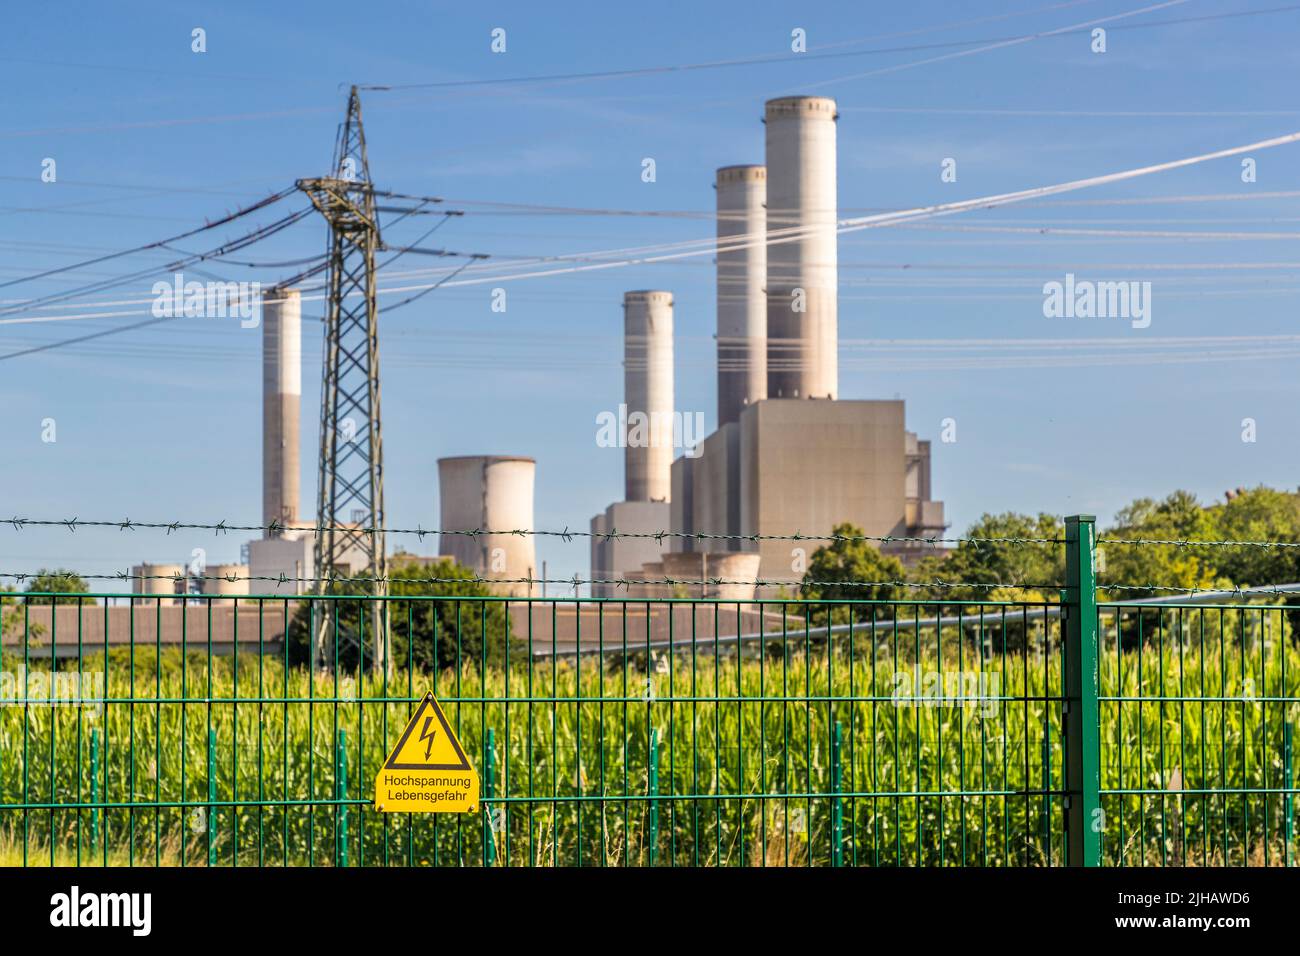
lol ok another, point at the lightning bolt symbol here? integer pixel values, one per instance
(427, 734)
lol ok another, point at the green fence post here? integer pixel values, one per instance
(1084, 821)
(212, 797)
(341, 793)
(1046, 777)
(652, 788)
(489, 791)
(837, 805)
(94, 788)
(1290, 803)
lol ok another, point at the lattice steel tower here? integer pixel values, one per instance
(350, 487)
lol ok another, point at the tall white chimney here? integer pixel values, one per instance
(741, 274)
(648, 391)
(281, 403)
(802, 275)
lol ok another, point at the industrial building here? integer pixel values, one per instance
(788, 456)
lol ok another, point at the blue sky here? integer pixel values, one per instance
(151, 138)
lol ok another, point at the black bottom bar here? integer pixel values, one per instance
(475, 908)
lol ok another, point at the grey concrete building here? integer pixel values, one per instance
(793, 466)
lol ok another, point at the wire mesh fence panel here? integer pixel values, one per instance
(222, 731)
(1197, 714)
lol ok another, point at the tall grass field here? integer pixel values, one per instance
(947, 754)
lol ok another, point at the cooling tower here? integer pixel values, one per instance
(741, 274)
(489, 493)
(648, 391)
(281, 398)
(158, 580)
(802, 274)
(228, 579)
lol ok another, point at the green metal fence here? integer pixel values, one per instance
(655, 732)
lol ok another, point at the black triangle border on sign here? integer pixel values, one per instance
(428, 701)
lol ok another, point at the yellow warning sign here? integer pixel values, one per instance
(427, 772)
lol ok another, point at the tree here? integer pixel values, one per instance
(1178, 517)
(838, 571)
(427, 633)
(1260, 514)
(61, 581)
(9, 621)
(1030, 568)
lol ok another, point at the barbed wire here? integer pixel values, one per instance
(576, 580)
(568, 534)
(276, 527)
(1235, 590)
(1190, 543)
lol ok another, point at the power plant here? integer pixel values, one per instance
(788, 456)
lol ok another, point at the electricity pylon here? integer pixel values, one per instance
(350, 487)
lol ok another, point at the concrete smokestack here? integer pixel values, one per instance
(802, 276)
(281, 403)
(648, 391)
(742, 307)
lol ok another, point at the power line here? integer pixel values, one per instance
(242, 242)
(1005, 42)
(83, 338)
(238, 214)
(816, 56)
(711, 246)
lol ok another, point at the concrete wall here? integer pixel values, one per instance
(260, 625)
(802, 359)
(561, 625)
(281, 404)
(717, 471)
(807, 466)
(741, 277)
